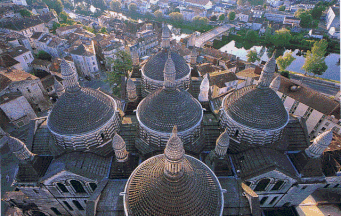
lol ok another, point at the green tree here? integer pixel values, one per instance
(158, 14)
(44, 55)
(251, 36)
(221, 17)
(281, 38)
(103, 30)
(232, 15)
(315, 59)
(241, 2)
(281, 8)
(285, 74)
(101, 4)
(252, 56)
(57, 5)
(132, 8)
(154, 7)
(115, 6)
(176, 17)
(198, 20)
(268, 33)
(306, 18)
(123, 62)
(317, 11)
(25, 13)
(213, 18)
(67, 4)
(285, 61)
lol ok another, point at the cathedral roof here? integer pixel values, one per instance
(150, 192)
(259, 108)
(164, 108)
(156, 64)
(81, 111)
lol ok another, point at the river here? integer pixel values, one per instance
(333, 71)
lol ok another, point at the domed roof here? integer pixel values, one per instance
(164, 108)
(259, 108)
(156, 64)
(150, 192)
(81, 111)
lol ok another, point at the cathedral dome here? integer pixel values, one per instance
(164, 108)
(81, 111)
(173, 184)
(153, 69)
(258, 108)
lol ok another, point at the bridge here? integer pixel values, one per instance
(211, 35)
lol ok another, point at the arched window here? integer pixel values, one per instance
(77, 186)
(62, 187)
(262, 184)
(78, 205)
(278, 185)
(102, 135)
(248, 183)
(93, 186)
(56, 211)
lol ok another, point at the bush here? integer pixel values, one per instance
(285, 74)
(25, 13)
(44, 55)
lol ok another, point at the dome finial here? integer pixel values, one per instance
(166, 35)
(222, 144)
(59, 88)
(169, 72)
(268, 72)
(174, 153)
(320, 143)
(19, 149)
(70, 77)
(276, 83)
(119, 147)
(131, 90)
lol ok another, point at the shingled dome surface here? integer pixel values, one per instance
(259, 108)
(150, 192)
(81, 111)
(163, 109)
(155, 65)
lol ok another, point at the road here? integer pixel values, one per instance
(211, 34)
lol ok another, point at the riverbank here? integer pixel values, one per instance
(329, 81)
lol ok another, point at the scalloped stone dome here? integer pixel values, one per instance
(164, 108)
(155, 65)
(254, 107)
(81, 111)
(150, 192)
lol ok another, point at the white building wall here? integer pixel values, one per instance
(313, 119)
(301, 109)
(288, 102)
(25, 60)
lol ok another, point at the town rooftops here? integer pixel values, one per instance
(36, 35)
(7, 61)
(16, 75)
(220, 78)
(84, 50)
(310, 97)
(9, 96)
(19, 50)
(65, 28)
(19, 24)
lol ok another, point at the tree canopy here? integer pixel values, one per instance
(281, 8)
(221, 17)
(198, 20)
(252, 56)
(315, 59)
(281, 38)
(213, 18)
(232, 15)
(285, 61)
(176, 17)
(115, 6)
(25, 13)
(158, 14)
(132, 8)
(56, 5)
(306, 18)
(251, 36)
(44, 55)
